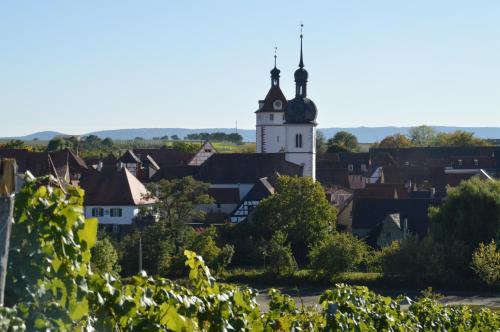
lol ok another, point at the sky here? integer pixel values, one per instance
(77, 67)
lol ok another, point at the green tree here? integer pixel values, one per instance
(300, 209)
(186, 147)
(395, 141)
(321, 145)
(469, 215)
(105, 258)
(458, 138)
(216, 257)
(174, 138)
(56, 144)
(91, 141)
(279, 253)
(177, 199)
(107, 142)
(343, 141)
(486, 263)
(422, 135)
(14, 144)
(340, 252)
(164, 241)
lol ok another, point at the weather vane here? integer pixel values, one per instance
(301, 26)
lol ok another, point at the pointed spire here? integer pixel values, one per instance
(275, 56)
(301, 63)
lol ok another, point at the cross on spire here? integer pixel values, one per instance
(275, 51)
(301, 63)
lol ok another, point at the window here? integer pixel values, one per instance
(97, 212)
(116, 228)
(460, 162)
(277, 138)
(476, 162)
(271, 117)
(363, 167)
(350, 167)
(298, 140)
(208, 150)
(115, 212)
(218, 205)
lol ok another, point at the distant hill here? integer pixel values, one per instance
(41, 135)
(364, 134)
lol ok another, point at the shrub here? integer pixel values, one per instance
(281, 260)
(105, 258)
(486, 263)
(340, 252)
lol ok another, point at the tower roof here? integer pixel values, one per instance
(275, 100)
(301, 109)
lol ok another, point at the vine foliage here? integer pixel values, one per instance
(52, 287)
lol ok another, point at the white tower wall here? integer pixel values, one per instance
(305, 153)
(270, 132)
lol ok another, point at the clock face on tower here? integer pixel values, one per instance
(277, 105)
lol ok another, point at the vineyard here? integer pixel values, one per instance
(51, 287)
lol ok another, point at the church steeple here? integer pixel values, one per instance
(301, 74)
(275, 72)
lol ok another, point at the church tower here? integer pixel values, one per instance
(270, 117)
(300, 123)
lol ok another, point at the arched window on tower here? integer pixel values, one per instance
(298, 140)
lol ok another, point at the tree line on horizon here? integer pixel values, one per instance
(420, 136)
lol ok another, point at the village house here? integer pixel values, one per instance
(114, 196)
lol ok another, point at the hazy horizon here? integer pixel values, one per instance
(83, 67)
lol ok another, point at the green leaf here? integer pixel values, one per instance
(78, 309)
(89, 232)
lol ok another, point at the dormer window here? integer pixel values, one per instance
(277, 105)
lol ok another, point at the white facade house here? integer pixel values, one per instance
(114, 195)
(113, 214)
(289, 126)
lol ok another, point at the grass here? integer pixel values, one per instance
(303, 277)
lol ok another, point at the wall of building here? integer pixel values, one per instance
(306, 154)
(270, 132)
(128, 214)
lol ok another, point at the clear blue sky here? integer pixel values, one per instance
(81, 66)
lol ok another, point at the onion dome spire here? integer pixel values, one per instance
(275, 72)
(301, 74)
